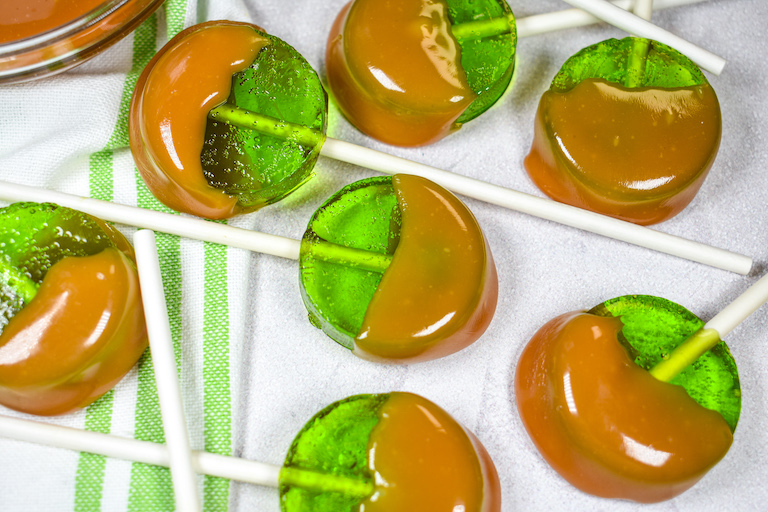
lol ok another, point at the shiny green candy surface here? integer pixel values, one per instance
(487, 36)
(653, 327)
(258, 167)
(334, 442)
(631, 62)
(344, 252)
(33, 237)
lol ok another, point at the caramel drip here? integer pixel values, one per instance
(605, 424)
(636, 154)
(422, 459)
(80, 334)
(190, 76)
(395, 70)
(439, 293)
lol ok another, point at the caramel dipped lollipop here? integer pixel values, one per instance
(71, 321)
(629, 128)
(634, 147)
(636, 399)
(408, 72)
(422, 457)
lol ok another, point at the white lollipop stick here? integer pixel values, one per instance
(713, 331)
(540, 207)
(161, 346)
(738, 310)
(643, 9)
(572, 18)
(197, 229)
(204, 463)
(187, 227)
(627, 21)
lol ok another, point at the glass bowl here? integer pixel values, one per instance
(51, 47)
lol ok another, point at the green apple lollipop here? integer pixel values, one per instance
(393, 451)
(211, 168)
(405, 298)
(629, 128)
(71, 321)
(635, 399)
(404, 452)
(408, 72)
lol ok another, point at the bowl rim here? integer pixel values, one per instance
(72, 27)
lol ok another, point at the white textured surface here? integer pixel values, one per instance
(288, 370)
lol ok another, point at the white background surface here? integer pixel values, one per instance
(287, 370)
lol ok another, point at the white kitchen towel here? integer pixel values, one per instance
(241, 314)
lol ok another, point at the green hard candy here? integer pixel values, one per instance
(623, 61)
(489, 61)
(653, 327)
(336, 291)
(33, 237)
(333, 442)
(261, 169)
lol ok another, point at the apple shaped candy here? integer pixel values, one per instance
(402, 451)
(606, 424)
(629, 128)
(214, 169)
(408, 72)
(421, 282)
(71, 320)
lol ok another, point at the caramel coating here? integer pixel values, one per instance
(395, 70)
(635, 154)
(439, 293)
(605, 424)
(74, 341)
(423, 459)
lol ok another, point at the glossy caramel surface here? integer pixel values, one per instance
(439, 293)
(20, 19)
(191, 75)
(635, 154)
(395, 70)
(422, 459)
(80, 334)
(605, 424)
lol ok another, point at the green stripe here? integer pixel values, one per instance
(102, 183)
(89, 477)
(175, 14)
(216, 388)
(151, 486)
